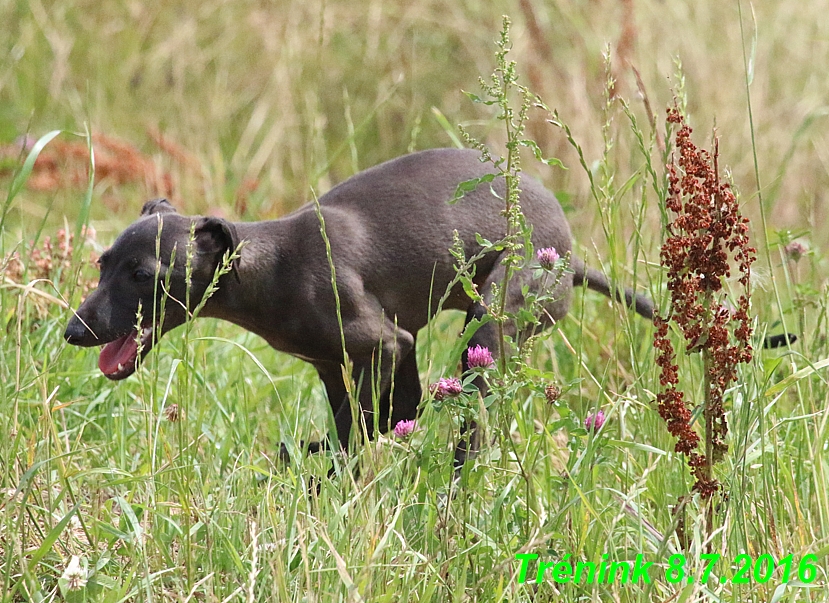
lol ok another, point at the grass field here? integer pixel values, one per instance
(168, 486)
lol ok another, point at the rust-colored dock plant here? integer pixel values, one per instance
(706, 236)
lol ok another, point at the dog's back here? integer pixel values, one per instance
(393, 225)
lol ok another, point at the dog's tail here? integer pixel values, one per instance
(597, 281)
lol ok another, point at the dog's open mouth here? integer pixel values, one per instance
(118, 358)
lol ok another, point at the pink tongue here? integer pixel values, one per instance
(122, 351)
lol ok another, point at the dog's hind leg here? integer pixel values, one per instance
(488, 335)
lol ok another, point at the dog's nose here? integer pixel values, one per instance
(75, 332)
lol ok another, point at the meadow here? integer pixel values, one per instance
(169, 485)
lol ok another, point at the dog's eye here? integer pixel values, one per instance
(141, 275)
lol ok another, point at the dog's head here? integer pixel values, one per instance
(145, 272)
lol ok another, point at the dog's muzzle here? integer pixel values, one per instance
(77, 334)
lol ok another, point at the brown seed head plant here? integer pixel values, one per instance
(64, 164)
(51, 261)
(705, 237)
(53, 256)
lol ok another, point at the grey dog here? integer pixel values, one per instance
(390, 229)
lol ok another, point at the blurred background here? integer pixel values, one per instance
(238, 108)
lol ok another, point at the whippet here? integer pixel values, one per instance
(390, 230)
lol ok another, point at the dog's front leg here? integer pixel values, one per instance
(402, 401)
(331, 375)
(378, 349)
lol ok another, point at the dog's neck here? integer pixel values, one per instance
(246, 294)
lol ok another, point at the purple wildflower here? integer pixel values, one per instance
(404, 429)
(795, 250)
(594, 422)
(479, 356)
(547, 257)
(446, 388)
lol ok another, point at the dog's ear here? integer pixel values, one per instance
(157, 206)
(215, 236)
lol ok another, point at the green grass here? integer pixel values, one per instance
(303, 95)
